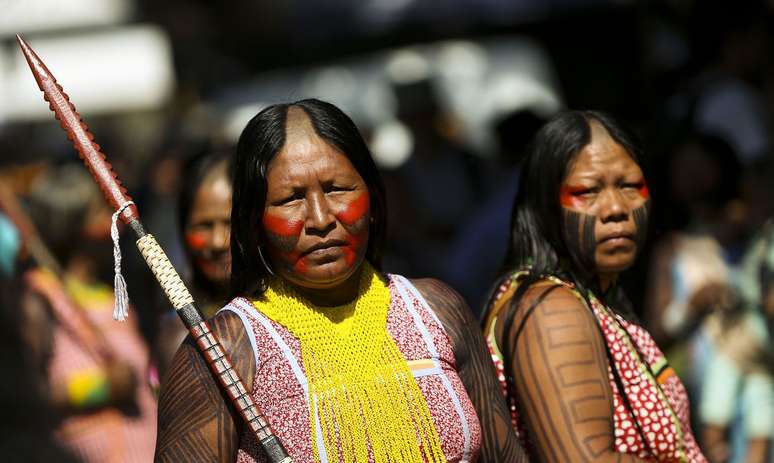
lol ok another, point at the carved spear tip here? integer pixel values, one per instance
(39, 70)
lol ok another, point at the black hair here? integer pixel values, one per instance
(59, 204)
(195, 170)
(261, 140)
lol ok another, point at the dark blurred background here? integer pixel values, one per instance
(448, 94)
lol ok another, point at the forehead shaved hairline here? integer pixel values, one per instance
(598, 134)
(299, 127)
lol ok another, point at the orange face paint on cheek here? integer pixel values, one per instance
(568, 196)
(284, 234)
(356, 210)
(196, 241)
(643, 190)
(282, 227)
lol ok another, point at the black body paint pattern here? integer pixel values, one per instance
(579, 235)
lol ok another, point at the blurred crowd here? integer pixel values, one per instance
(448, 122)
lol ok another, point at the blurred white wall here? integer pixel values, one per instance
(112, 70)
(30, 16)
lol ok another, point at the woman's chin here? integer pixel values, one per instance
(615, 264)
(608, 268)
(324, 275)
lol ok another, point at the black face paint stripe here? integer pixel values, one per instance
(640, 216)
(589, 238)
(580, 239)
(572, 229)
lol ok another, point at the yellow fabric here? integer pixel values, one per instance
(90, 296)
(365, 395)
(87, 387)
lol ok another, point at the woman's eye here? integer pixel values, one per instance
(634, 185)
(336, 188)
(288, 199)
(584, 192)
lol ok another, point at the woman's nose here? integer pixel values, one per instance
(221, 235)
(319, 215)
(613, 207)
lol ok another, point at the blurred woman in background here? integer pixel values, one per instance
(204, 221)
(29, 420)
(100, 388)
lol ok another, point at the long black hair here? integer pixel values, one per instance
(261, 140)
(536, 238)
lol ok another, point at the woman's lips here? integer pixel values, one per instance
(617, 239)
(325, 248)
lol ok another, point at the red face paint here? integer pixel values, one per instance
(643, 190)
(282, 227)
(301, 265)
(286, 233)
(196, 241)
(568, 195)
(355, 210)
(354, 243)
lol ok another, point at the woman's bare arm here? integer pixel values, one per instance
(476, 370)
(560, 369)
(196, 420)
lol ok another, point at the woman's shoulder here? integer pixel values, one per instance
(540, 303)
(540, 289)
(442, 298)
(550, 291)
(230, 328)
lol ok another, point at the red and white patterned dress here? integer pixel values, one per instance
(280, 387)
(655, 425)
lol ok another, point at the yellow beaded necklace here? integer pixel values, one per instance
(367, 398)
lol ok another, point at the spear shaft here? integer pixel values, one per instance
(218, 360)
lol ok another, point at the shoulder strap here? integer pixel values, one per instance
(236, 307)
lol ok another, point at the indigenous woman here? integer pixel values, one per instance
(107, 408)
(204, 218)
(346, 363)
(585, 380)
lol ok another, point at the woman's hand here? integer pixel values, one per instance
(196, 421)
(477, 372)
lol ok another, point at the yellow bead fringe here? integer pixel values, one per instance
(366, 397)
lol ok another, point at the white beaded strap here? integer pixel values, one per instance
(164, 272)
(121, 307)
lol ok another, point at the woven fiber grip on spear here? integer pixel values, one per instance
(181, 299)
